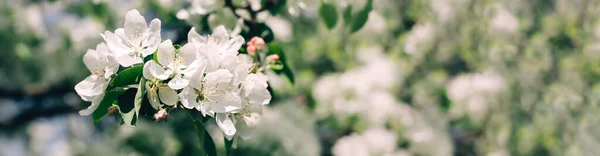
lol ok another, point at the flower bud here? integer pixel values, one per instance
(273, 58)
(258, 42)
(251, 50)
(113, 110)
(161, 115)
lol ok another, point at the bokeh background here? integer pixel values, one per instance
(422, 77)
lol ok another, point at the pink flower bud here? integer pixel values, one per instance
(258, 42)
(161, 115)
(273, 58)
(251, 49)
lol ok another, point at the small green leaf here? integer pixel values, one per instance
(107, 101)
(206, 141)
(130, 118)
(267, 35)
(348, 15)
(287, 71)
(209, 144)
(274, 6)
(126, 77)
(228, 144)
(155, 56)
(328, 14)
(362, 17)
(261, 30)
(276, 66)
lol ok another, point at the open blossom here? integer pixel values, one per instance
(218, 49)
(254, 88)
(135, 41)
(207, 74)
(212, 93)
(102, 65)
(157, 91)
(174, 65)
(254, 95)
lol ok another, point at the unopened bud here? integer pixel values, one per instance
(251, 49)
(113, 110)
(161, 115)
(258, 42)
(273, 58)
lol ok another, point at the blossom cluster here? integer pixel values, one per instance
(207, 74)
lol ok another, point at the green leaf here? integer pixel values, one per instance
(267, 34)
(328, 14)
(209, 144)
(228, 144)
(129, 76)
(274, 6)
(206, 142)
(107, 101)
(348, 15)
(362, 17)
(261, 30)
(130, 118)
(287, 71)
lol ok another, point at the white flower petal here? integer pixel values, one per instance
(197, 75)
(152, 96)
(94, 60)
(202, 108)
(115, 44)
(127, 60)
(187, 54)
(195, 38)
(155, 26)
(260, 96)
(226, 125)
(251, 119)
(146, 71)
(167, 96)
(152, 41)
(220, 33)
(240, 73)
(95, 103)
(188, 98)
(157, 71)
(120, 32)
(225, 102)
(234, 45)
(135, 24)
(220, 79)
(90, 87)
(166, 53)
(178, 83)
(229, 62)
(192, 69)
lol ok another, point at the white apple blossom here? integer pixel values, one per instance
(240, 122)
(212, 93)
(219, 49)
(174, 65)
(254, 88)
(135, 41)
(102, 65)
(157, 91)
